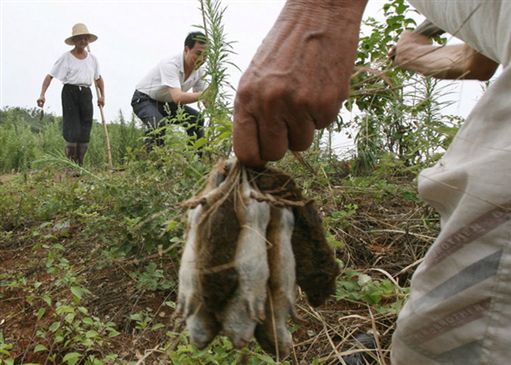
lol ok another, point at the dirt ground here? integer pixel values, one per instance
(384, 240)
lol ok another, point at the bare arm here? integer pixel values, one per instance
(181, 97)
(46, 83)
(100, 84)
(415, 52)
(297, 80)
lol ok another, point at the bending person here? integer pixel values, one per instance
(167, 86)
(458, 310)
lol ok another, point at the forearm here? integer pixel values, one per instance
(181, 97)
(46, 84)
(416, 53)
(101, 87)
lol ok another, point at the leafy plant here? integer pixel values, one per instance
(5, 348)
(341, 218)
(220, 352)
(383, 294)
(217, 98)
(153, 278)
(68, 330)
(399, 112)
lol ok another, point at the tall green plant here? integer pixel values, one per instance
(400, 112)
(218, 97)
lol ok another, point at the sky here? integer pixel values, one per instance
(133, 36)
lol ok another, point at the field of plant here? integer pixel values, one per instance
(89, 256)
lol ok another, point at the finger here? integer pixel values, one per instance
(273, 129)
(245, 138)
(300, 125)
(273, 137)
(301, 135)
(323, 111)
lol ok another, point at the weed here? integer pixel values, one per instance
(153, 278)
(5, 347)
(382, 294)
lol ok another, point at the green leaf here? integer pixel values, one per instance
(63, 309)
(78, 292)
(170, 304)
(200, 142)
(111, 357)
(157, 326)
(91, 334)
(54, 326)
(69, 318)
(112, 332)
(171, 225)
(72, 358)
(88, 321)
(47, 299)
(136, 316)
(40, 348)
(40, 313)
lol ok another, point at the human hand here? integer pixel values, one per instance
(407, 46)
(101, 101)
(297, 80)
(41, 101)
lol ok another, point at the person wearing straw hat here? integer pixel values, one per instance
(77, 70)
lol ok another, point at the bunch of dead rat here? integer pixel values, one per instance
(251, 238)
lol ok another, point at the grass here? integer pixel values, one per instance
(90, 264)
(25, 140)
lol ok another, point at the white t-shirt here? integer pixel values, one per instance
(71, 70)
(170, 73)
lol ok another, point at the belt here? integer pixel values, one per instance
(80, 87)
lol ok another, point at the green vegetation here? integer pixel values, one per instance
(89, 263)
(27, 136)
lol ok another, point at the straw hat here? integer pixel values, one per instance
(80, 29)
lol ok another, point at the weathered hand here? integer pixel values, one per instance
(408, 44)
(297, 80)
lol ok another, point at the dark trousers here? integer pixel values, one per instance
(77, 113)
(155, 114)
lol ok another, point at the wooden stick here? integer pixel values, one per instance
(105, 129)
